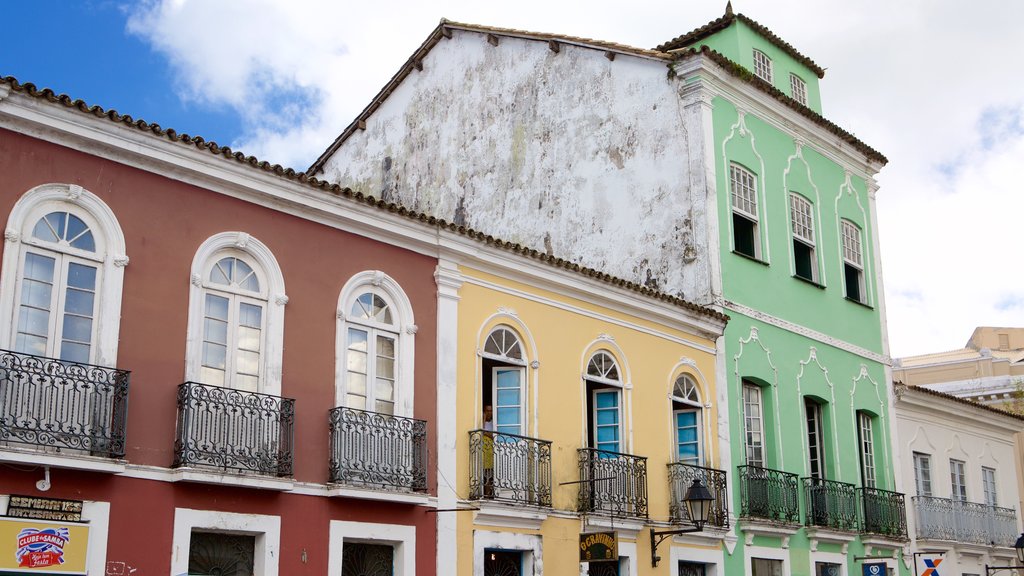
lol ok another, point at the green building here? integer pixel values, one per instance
(702, 168)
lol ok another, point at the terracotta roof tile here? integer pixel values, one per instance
(323, 186)
(724, 22)
(937, 394)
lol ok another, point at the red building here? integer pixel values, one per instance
(219, 362)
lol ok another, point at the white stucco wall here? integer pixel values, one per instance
(570, 153)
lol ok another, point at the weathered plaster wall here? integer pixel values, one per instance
(569, 152)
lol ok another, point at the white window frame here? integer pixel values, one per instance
(399, 536)
(957, 480)
(798, 88)
(743, 201)
(923, 474)
(531, 545)
(815, 428)
(988, 484)
(404, 329)
(866, 440)
(510, 363)
(110, 258)
(747, 429)
(801, 222)
(604, 385)
(763, 68)
(691, 405)
(852, 239)
(261, 259)
(266, 529)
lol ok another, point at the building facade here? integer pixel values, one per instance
(702, 168)
(209, 364)
(961, 460)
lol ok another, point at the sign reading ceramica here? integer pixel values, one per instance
(42, 547)
(599, 547)
(45, 508)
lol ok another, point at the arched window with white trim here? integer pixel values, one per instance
(504, 382)
(687, 421)
(62, 275)
(236, 316)
(604, 399)
(375, 346)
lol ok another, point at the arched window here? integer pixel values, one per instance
(604, 396)
(504, 382)
(687, 421)
(375, 346)
(236, 318)
(62, 285)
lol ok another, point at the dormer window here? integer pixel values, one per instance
(763, 66)
(798, 89)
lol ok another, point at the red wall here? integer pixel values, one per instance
(164, 222)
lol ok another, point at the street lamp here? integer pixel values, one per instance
(1018, 547)
(698, 502)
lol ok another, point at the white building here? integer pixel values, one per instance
(959, 458)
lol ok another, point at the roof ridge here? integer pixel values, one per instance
(723, 22)
(322, 185)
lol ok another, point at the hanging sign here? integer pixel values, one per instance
(599, 547)
(874, 569)
(42, 547)
(44, 508)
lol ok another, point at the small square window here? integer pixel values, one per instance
(798, 89)
(763, 66)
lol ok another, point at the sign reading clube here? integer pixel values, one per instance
(599, 547)
(43, 547)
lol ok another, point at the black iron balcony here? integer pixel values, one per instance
(62, 406)
(612, 483)
(830, 504)
(769, 494)
(227, 429)
(681, 477)
(372, 450)
(510, 468)
(962, 521)
(883, 512)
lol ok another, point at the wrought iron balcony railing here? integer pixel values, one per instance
(612, 483)
(236, 430)
(62, 406)
(681, 477)
(883, 512)
(510, 468)
(962, 521)
(769, 494)
(830, 504)
(373, 450)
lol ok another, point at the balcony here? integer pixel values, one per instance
(372, 450)
(54, 406)
(681, 477)
(830, 504)
(769, 495)
(962, 521)
(612, 483)
(883, 513)
(229, 430)
(510, 468)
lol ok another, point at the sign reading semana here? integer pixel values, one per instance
(599, 547)
(43, 547)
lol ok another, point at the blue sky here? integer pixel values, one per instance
(82, 49)
(921, 81)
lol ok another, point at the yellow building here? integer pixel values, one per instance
(582, 404)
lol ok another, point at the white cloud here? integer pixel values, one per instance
(926, 82)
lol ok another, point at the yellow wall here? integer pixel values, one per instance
(561, 334)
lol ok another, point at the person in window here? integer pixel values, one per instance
(488, 451)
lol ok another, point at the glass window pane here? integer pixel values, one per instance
(508, 397)
(214, 355)
(385, 368)
(85, 242)
(507, 416)
(248, 362)
(44, 231)
(385, 346)
(357, 340)
(355, 402)
(80, 276)
(249, 339)
(77, 328)
(250, 315)
(357, 361)
(29, 344)
(78, 302)
(508, 379)
(216, 307)
(362, 308)
(247, 382)
(36, 294)
(607, 400)
(607, 434)
(34, 321)
(384, 389)
(357, 383)
(215, 331)
(605, 417)
(39, 267)
(211, 376)
(218, 275)
(384, 407)
(74, 352)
